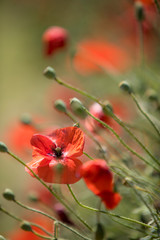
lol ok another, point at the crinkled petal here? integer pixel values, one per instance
(70, 140)
(34, 164)
(64, 171)
(42, 144)
(97, 176)
(110, 199)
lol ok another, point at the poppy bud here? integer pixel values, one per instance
(33, 197)
(152, 95)
(54, 38)
(76, 125)
(78, 108)
(107, 108)
(2, 238)
(99, 233)
(8, 194)
(50, 73)
(60, 105)
(139, 11)
(3, 147)
(26, 226)
(26, 119)
(125, 87)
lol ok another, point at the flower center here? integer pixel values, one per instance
(58, 151)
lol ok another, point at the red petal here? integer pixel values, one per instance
(42, 144)
(97, 176)
(110, 199)
(70, 140)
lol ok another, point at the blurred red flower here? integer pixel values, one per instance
(92, 55)
(20, 234)
(99, 179)
(55, 156)
(53, 39)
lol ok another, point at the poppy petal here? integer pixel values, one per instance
(110, 199)
(42, 144)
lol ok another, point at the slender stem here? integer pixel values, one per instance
(121, 123)
(84, 93)
(51, 217)
(122, 142)
(141, 43)
(42, 236)
(88, 155)
(20, 220)
(107, 212)
(71, 116)
(145, 114)
(50, 190)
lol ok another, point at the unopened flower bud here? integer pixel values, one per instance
(78, 108)
(152, 95)
(60, 105)
(2, 238)
(26, 226)
(76, 125)
(125, 86)
(99, 232)
(3, 147)
(26, 119)
(139, 11)
(8, 194)
(50, 73)
(33, 197)
(107, 108)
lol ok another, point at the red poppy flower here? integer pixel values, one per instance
(54, 38)
(99, 180)
(93, 55)
(55, 156)
(24, 235)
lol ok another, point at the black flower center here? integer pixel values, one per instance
(58, 152)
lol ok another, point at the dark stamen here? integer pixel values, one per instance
(58, 151)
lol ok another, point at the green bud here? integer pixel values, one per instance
(139, 11)
(78, 108)
(33, 197)
(152, 95)
(26, 119)
(8, 194)
(107, 108)
(60, 105)
(2, 238)
(125, 86)
(99, 232)
(3, 147)
(76, 125)
(50, 73)
(26, 226)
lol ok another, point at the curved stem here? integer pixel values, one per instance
(107, 212)
(88, 155)
(52, 218)
(50, 190)
(42, 236)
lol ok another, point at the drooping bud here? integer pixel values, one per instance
(26, 226)
(26, 119)
(8, 194)
(50, 73)
(78, 108)
(3, 147)
(107, 108)
(54, 38)
(139, 11)
(2, 238)
(99, 232)
(60, 105)
(152, 95)
(125, 86)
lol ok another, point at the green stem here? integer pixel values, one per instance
(141, 42)
(42, 236)
(50, 190)
(84, 93)
(145, 114)
(52, 218)
(88, 155)
(122, 142)
(121, 123)
(108, 213)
